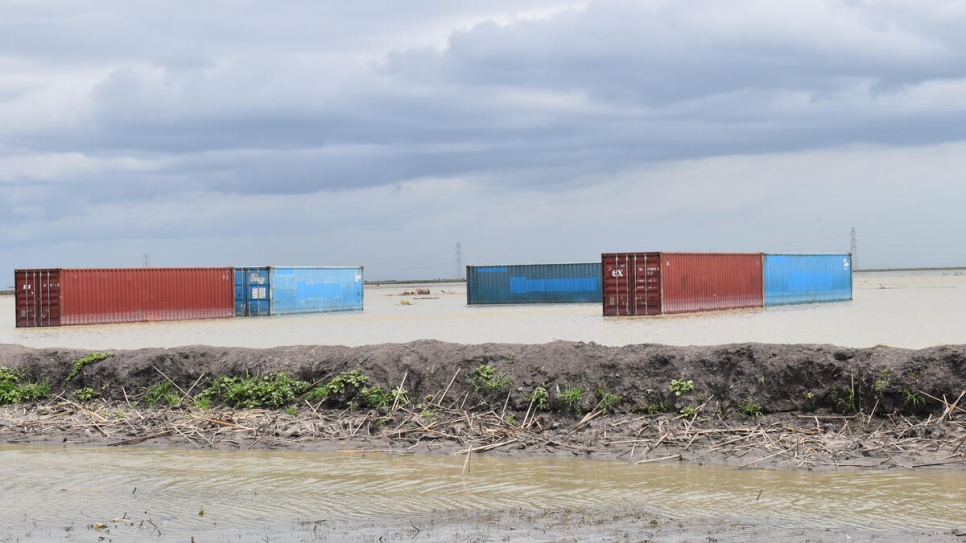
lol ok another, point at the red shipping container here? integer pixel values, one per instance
(56, 297)
(664, 283)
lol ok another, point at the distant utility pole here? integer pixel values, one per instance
(147, 260)
(459, 260)
(853, 249)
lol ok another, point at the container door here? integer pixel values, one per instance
(632, 284)
(38, 298)
(251, 292)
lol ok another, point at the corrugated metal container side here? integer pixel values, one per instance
(54, 297)
(252, 292)
(315, 289)
(104, 296)
(37, 297)
(534, 284)
(807, 278)
(711, 281)
(664, 283)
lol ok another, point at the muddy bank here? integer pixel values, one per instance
(747, 405)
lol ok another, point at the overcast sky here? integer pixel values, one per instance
(382, 133)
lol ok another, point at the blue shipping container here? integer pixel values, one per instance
(292, 290)
(807, 278)
(251, 292)
(534, 284)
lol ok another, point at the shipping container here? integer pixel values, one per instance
(655, 283)
(534, 284)
(807, 278)
(271, 290)
(54, 297)
(251, 292)
(37, 297)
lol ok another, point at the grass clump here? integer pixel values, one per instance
(750, 408)
(572, 396)
(270, 391)
(13, 391)
(161, 394)
(84, 361)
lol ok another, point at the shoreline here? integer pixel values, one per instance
(814, 407)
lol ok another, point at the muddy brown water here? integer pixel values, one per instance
(49, 493)
(900, 309)
(120, 494)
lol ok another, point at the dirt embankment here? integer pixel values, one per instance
(786, 406)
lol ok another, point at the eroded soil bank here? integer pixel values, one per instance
(756, 405)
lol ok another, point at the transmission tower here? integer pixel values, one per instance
(147, 260)
(853, 249)
(459, 260)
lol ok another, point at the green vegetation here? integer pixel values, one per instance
(345, 385)
(487, 378)
(848, 403)
(85, 394)
(653, 409)
(86, 360)
(750, 409)
(269, 391)
(12, 391)
(608, 400)
(917, 401)
(540, 398)
(378, 397)
(689, 411)
(161, 394)
(680, 386)
(571, 397)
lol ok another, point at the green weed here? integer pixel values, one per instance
(377, 397)
(689, 411)
(13, 391)
(572, 396)
(680, 386)
(608, 400)
(917, 401)
(269, 391)
(345, 384)
(487, 378)
(161, 394)
(86, 360)
(750, 409)
(85, 394)
(540, 398)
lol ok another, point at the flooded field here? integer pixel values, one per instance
(122, 494)
(900, 309)
(51, 494)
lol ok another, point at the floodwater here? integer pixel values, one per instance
(56, 493)
(144, 494)
(911, 309)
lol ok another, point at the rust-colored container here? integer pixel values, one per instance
(101, 296)
(664, 283)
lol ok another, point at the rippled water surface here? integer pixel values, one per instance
(138, 492)
(902, 309)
